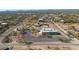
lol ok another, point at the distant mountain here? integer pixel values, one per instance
(42, 11)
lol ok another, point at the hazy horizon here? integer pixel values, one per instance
(33, 9)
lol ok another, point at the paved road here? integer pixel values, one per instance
(47, 44)
(75, 46)
(6, 33)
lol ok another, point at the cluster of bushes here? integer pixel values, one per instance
(68, 18)
(26, 41)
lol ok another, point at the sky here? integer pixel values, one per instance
(38, 4)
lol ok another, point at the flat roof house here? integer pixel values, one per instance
(49, 31)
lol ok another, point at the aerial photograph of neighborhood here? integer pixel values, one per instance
(51, 29)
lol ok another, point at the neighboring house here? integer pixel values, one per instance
(48, 31)
(43, 19)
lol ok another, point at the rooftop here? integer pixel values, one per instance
(47, 29)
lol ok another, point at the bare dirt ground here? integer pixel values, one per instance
(67, 25)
